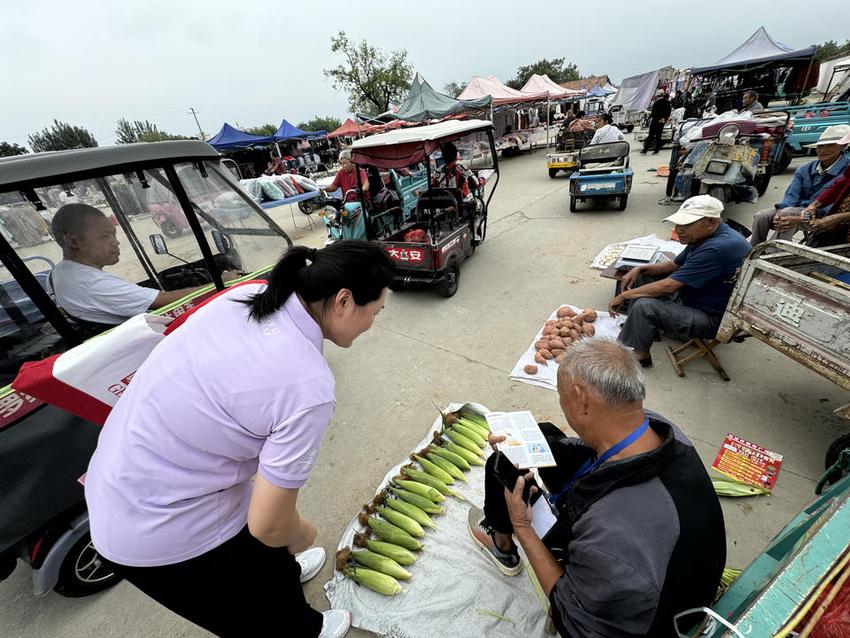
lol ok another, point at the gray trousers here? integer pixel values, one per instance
(763, 225)
(649, 318)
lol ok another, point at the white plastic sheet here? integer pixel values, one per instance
(546, 377)
(455, 590)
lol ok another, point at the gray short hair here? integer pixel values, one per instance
(608, 367)
(71, 218)
(345, 154)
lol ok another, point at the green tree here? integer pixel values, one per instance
(8, 150)
(372, 78)
(318, 123)
(830, 49)
(454, 88)
(263, 129)
(61, 136)
(128, 132)
(557, 69)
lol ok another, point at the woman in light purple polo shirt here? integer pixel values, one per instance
(241, 390)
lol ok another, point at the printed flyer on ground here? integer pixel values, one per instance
(747, 462)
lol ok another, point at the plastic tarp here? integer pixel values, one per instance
(404, 147)
(544, 84)
(635, 93)
(597, 91)
(609, 88)
(825, 74)
(424, 103)
(229, 137)
(759, 48)
(479, 87)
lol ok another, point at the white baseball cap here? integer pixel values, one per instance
(835, 134)
(695, 208)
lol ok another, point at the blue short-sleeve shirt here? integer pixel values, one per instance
(707, 270)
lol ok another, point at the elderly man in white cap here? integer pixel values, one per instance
(687, 296)
(809, 179)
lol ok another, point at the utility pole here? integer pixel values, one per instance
(195, 115)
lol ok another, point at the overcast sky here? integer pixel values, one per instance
(257, 61)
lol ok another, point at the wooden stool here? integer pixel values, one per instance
(679, 356)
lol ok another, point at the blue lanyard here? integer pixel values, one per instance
(592, 464)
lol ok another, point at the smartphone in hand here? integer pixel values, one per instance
(508, 473)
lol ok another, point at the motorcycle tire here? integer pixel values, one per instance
(451, 280)
(630, 128)
(84, 572)
(553, 172)
(839, 445)
(761, 183)
(169, 229)
(306, 207)
(782, 165)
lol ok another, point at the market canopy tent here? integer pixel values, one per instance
(500, 94)
(834, 75)
(759, 49)
(597, 91)
(537, 84)
(424, 103)
(229, 137)
(287, 131)
(349, 128)
(635, 93)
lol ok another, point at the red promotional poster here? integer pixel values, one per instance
(747, 462)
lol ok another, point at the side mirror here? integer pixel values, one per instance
(158, 244)
(221, 244)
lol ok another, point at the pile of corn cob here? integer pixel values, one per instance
(397, 514)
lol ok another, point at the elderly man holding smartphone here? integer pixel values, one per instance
(638, 534)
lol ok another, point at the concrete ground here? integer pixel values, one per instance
(426, 350)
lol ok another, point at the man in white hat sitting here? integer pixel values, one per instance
(809, 180)
(688, 296)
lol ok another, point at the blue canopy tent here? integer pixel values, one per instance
(597, 91)
(287, 131)
(229, 137)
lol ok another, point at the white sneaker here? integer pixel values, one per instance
(336, 623)
(311, 561)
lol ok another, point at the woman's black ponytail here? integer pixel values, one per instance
(361, 267)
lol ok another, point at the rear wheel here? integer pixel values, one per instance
(783, 162)
(624, 200)
(84, 572)
(572, 204)
(449, 285)
(762, 182)
(718, 192)
(170, 229)
(553, 172)
(630, 128)
(839, 445)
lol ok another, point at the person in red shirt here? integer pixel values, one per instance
(451, 174)
(346, 179)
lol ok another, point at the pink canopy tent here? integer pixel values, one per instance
(349, 128)
(500, 94)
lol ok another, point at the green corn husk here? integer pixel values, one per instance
(427, 479)
(399, 554)
(455, 459)
(420, 489)
(381, 564)
(433, 469)
(409, 509)
(425, 504)
(389, 532)
(474, 427)
(472, 457)
(724, 487)
(401, 520)
(376, 581)
(460, 440)
(446, 466)
(470, 434)
(476, 418)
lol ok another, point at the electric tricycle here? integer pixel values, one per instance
(603, 174)
(446, 224)
(45, 450)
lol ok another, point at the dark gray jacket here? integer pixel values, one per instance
(640, 539)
